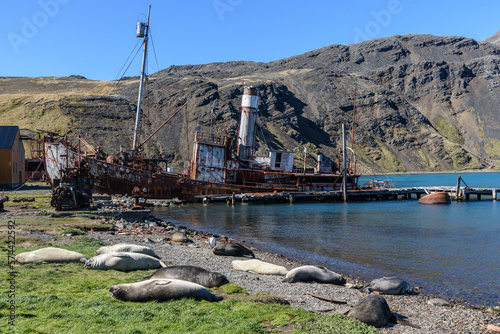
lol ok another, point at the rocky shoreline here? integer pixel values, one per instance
(432, 315)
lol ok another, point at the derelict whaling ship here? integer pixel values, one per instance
(220, 165)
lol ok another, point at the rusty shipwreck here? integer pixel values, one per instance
(220, 164)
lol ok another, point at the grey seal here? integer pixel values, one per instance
(313, 274)
(51, 255)
(161, 290)
(123, 261)
(129, 248)
(259, 267)
(193, 274)
(232, 249)
(373, 310)
(387, 285)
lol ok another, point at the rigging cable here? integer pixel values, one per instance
(136, 52)
(154, 50)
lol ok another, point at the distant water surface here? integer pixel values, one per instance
(448, 250)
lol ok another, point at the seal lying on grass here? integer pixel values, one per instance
(161, 290)
(193, 274)
(313, 274)
(259, 267)
(387, 285)
(129, 248)
(123, 261)
(51, 255)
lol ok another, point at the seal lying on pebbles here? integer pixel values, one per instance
(259, 267)
(50, 255)
(373, 310)
(129, 248)
(313, 274)
(178, 237)
(232, 249)
(161, 290)
(123, 261)
(388, 286)
(193, 274)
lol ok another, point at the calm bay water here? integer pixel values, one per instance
(448, 250)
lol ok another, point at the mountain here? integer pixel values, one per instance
(419, 103)
(495, 39)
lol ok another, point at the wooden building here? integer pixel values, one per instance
(12, 161)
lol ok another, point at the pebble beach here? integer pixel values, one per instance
(432, 315)
(427, 313)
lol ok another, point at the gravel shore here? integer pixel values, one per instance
(457, 318)
(431, 318)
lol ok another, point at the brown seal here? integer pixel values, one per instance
(123, 261)
(388, 286)
(193, 274)
(313, 274)
(129, 248)
(161, 290)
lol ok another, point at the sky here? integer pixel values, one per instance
(94, 38)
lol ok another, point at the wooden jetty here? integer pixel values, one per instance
(464, 193)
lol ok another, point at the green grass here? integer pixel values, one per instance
(448, 130)
(41, 201)
(492, 148)
(65, 298)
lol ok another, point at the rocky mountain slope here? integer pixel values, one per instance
(418, 102)
(495, 39)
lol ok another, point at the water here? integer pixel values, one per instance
(448, 250)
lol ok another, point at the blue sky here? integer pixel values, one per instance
(94, 38)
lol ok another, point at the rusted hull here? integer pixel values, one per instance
(436, 198)
(117, 179)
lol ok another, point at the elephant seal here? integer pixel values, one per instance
(259, 267)
(313, 274)
(232, 249)
(387, 285)
(123, 261)
(161, 290)
(51, 255)
(129, 248)
(372, 310)
(178, 237)
(193, 274)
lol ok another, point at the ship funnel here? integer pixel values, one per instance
(249, 104)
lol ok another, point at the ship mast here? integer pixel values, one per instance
(142, 31)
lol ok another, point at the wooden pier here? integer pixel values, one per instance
(464, 194)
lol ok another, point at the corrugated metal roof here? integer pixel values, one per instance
(7, 136)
